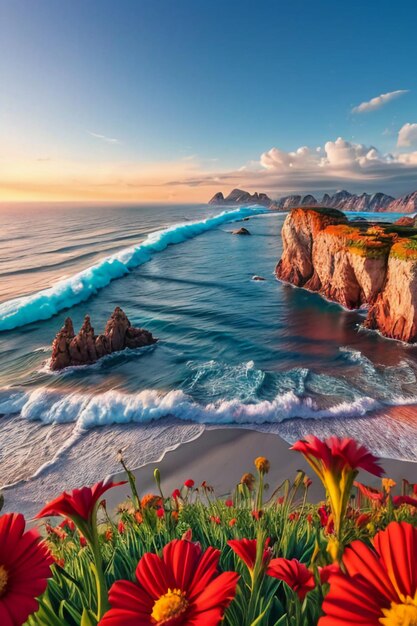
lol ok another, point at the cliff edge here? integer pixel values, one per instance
(355, 264)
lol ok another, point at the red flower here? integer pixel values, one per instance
(371, 493)
(176, 494)
(189, 483)
(246, 550)
(323, 515)
(363, 519)
(326, 571)
(215, 519)
(181, 587)
(25, 566)
(160, 512)
(121, 527)
(380, 583)
(295, 574)
(79, 504)
(399, 500)
(232, 522)
(67, 524)
(229, 503)
(337, 453)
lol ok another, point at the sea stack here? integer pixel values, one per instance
(85, 348)
(355, 264)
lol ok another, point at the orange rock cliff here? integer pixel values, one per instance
(355, 264)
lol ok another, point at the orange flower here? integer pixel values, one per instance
(262, 464)
(150, 501)
(380, 583)
(248, 480)
(181, 587)
(295, 574)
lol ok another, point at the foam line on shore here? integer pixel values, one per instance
(77, 288)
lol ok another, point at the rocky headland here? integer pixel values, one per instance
(85, 348)
(343, 200)
(241, 197)
(355, 264)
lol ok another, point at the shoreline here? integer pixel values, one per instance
(220, 456)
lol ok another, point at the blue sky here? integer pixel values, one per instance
(191, 92)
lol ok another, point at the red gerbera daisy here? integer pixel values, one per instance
(79, 504)
(25, 565)
(380, 583)
(181, 587)
(295, 574)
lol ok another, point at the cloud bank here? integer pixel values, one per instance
(336, 164)
(379, 101)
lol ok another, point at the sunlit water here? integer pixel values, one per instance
(231, 350)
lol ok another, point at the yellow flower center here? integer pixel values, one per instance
(4, 577)
(171, 605)
(404, 614)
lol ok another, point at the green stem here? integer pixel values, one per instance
(102, 593)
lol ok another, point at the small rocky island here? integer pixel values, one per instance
(85, 348)
(355, 264)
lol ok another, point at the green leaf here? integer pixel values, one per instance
(88, 619)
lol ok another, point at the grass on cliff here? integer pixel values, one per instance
(405, 249)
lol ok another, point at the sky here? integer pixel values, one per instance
(172, 101)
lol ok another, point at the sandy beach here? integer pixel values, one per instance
(220, 456)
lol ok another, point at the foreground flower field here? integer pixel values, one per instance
(262, 557)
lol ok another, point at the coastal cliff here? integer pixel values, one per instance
(85, 348)
(355, 264)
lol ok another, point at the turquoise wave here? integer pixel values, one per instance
(71, 291)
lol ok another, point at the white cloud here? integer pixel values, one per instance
(379, 101)
(103, 137)
(407, 135)
(340, 155)
(337, 164)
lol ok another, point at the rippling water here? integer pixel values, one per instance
(231, 350)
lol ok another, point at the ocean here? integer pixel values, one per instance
(230, 351)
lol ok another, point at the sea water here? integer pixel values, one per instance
(230, 351)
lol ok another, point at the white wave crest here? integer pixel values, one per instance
(115, 407)
(78, 288)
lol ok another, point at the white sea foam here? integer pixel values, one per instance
(115, 407)
(78, 288)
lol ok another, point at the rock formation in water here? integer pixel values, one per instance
(241, 231)
(85, 348)
(355, 264)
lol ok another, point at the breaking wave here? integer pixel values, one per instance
(71, 291)
(115, 407)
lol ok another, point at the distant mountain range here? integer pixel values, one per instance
(377, 202)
